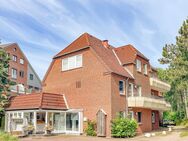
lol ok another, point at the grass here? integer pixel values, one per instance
(7, 137)
(184, 134)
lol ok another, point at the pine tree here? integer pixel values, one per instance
(176, 56)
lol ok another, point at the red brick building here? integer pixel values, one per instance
(21, 71)
(93, 80)
(95, 76)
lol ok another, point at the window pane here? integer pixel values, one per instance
(79, 61)
(138, 65)
(72, 62)
(65, 64)
(121, 87)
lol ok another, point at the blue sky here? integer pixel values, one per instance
(42, 28)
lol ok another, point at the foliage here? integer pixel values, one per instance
(91, 128)
(5, 82)
(123, 127)
(7, 137)
(176, 57)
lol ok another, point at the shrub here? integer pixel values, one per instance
(7, 137)
(123, 127)
(91, 128)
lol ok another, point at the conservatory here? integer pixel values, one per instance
(42, 112)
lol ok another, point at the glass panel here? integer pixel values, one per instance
(59, 122)
(79, 61)
(72, 121)
(72, 62)
(65, 64)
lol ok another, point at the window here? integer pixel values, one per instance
(121, 114)
(121, 87)
(14, 58)
(22, 61)
(139, 117)
(14, 49)
(31, 76)
(138, 65)
(131, 114)
(14, 73)
(22, 74)
(145, 69)
(139, 91)
(72, 62)
(153, 117)
(131, 89)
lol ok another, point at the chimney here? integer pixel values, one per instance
(105, 43)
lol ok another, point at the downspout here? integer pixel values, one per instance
(126, 98)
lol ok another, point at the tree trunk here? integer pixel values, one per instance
(185, 102)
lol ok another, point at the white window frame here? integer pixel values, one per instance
(132, 89)
(139, 90)
(76, 63)
(122, 92)
(138, 65)
(14, 73)
(131, 113)
(14, 58)
(145, 69)
(21, 61)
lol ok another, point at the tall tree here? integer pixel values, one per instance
(5, 82)
(176, 56)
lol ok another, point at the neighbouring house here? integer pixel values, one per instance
(21, 71)
(96, 81)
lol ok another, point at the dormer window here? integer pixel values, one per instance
(138, 65)
(72, 62)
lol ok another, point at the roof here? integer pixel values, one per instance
(127, 54)
(37, 101)
(105, 54)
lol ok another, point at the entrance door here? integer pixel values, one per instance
(101, 123)
(59, 122)
(72, 122)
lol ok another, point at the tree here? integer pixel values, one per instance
(176, 56)
(5, 82)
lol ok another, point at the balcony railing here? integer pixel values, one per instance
(151, 102)
(20, 89)
(159, 85)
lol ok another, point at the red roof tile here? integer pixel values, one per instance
(105, 54)
(127, 54)
(37, 101)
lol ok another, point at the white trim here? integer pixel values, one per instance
(65, 101)
(116, 57)
(103, 111)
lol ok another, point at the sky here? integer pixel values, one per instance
(42, 28)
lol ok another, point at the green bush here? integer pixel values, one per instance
(91, 128)
(7, 137)
(123, 127)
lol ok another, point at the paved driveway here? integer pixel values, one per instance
(174, 136)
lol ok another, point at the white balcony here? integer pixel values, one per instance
(153, 103)
(159, 85)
